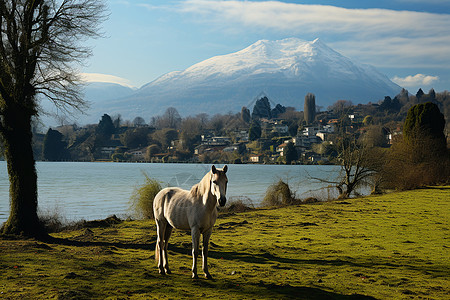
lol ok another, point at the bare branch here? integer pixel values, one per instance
(40, 44)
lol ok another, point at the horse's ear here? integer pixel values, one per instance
(225, 168)
(213, 169)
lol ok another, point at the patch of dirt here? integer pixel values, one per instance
(108, 222)
(229, 225)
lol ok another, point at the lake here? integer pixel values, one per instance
(95, 190)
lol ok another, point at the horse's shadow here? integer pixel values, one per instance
(81, 243)
(369, 262)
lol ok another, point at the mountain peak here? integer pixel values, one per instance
(317, 41)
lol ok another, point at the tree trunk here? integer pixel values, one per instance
(17, 140)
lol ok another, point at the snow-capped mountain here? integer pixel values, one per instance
(285, 70)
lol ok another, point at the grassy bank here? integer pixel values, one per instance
(393, 246)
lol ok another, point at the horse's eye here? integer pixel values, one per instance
(215, 181)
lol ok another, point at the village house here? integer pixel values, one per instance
(241, 136)
(280, 128)
(256, 158)
(137, 154)
(281, 149)
(314, 157)
(391, 134)
(216, 140)
(239, 147)
(311, 130)
(306, 141)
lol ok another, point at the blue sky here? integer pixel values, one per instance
(409, 41)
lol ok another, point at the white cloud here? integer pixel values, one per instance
(96, 77)
(377, 36)
(415, 80)
(301, 17)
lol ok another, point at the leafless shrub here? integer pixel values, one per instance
(238, 204)
(279, 194)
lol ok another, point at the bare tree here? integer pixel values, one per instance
(341, 106)
(40, 43)
(203, 118)
(138, 122)
(357, 167)
(360, 166)
(171, 118)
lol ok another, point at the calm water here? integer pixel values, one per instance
(78, 190)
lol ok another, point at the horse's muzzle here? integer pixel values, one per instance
(222, 201)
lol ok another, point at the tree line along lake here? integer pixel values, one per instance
(96, 190)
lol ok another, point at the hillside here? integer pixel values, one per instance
(393, 246)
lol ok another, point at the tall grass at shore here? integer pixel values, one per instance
(141, 201)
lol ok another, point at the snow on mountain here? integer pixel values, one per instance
(285, 70)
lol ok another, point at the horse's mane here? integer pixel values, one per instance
(199, 189)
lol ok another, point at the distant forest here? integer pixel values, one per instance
(169, 137)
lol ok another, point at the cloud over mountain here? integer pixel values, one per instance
(416, 80)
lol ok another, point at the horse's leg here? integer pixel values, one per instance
(167, 234)
(161, 228)
(195, 232)
(206, 236)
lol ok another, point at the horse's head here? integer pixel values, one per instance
(219, 183)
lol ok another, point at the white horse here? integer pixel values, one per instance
(193, 210)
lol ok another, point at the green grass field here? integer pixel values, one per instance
(394, 246)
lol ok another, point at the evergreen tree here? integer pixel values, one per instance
(262, 109)
(421, 156)
(404, 94)
(54, 148)
(278, 110)
(245, 115)
(290, 153)
(419, 95)
(117, 121)
(391, 105)
(310, 108)
(254, 131)
(386, 104)
(105, 127)
(425, 119)
(432, 95)
(293, 128)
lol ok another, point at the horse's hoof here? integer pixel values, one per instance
(162, 272)
(208, 276)
(168, 271)
(194, 276)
